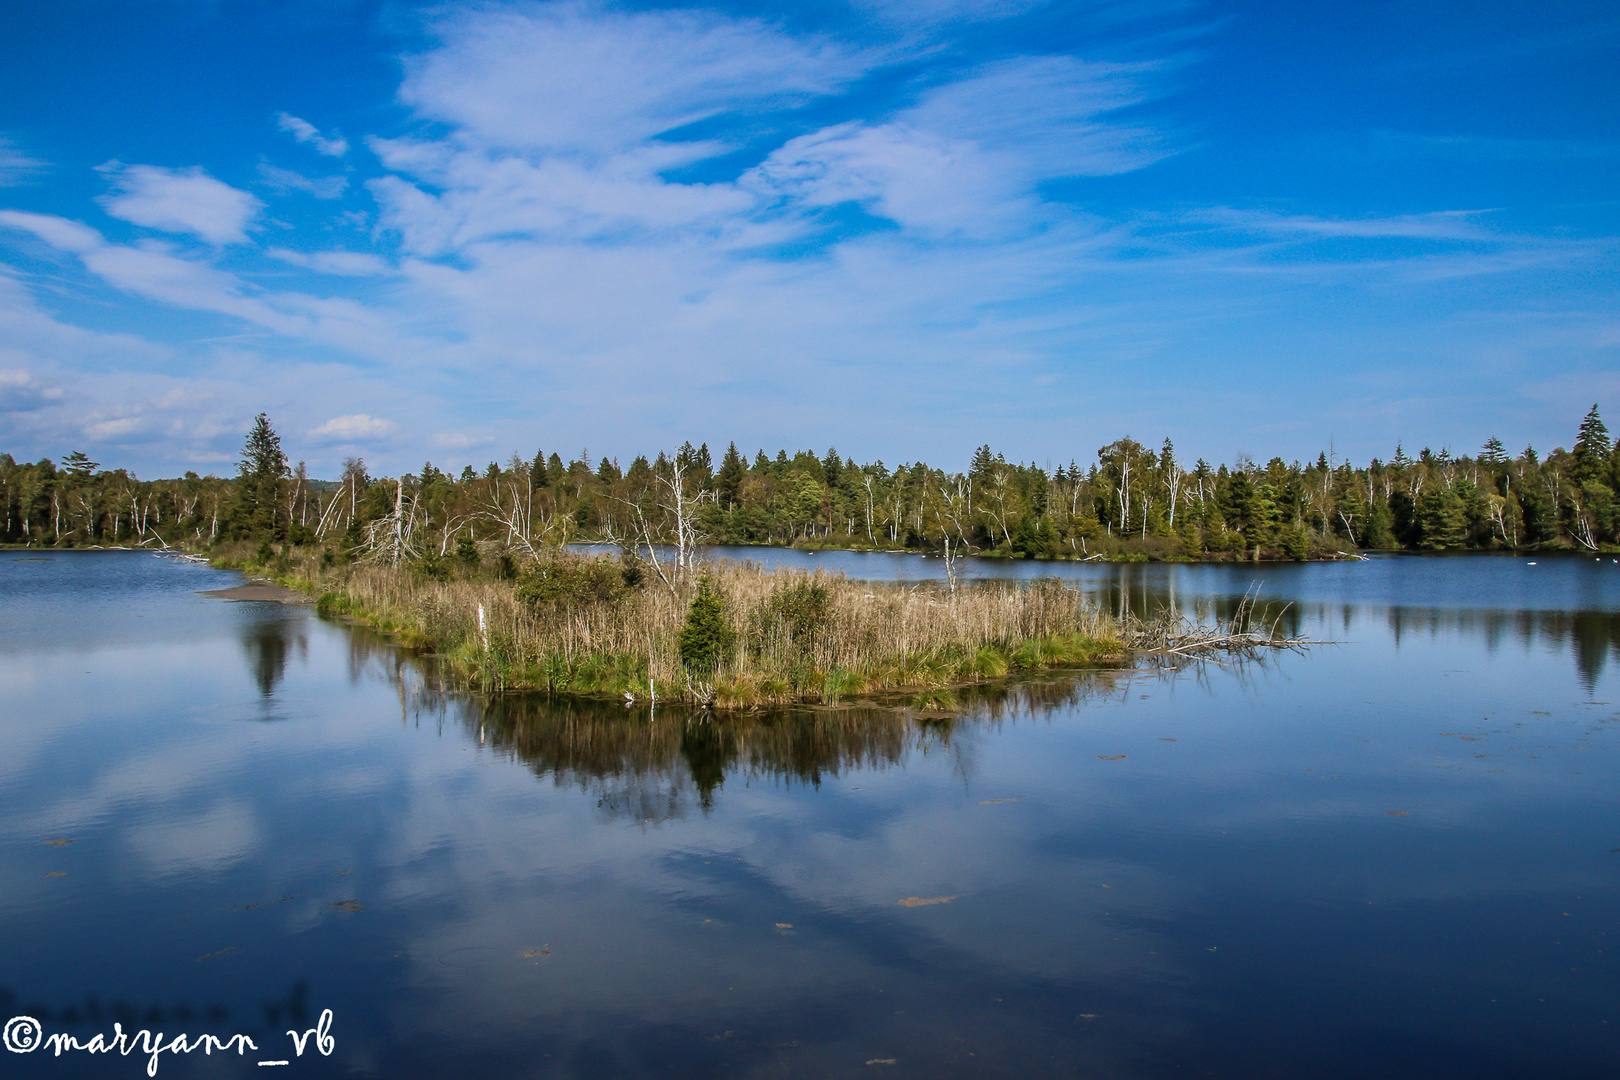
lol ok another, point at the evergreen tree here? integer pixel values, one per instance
(983, 462)
(730, 477)
(263, 471)
(79, 467)
(705, 466)
(1493, 453)
(1592, 450)
(1442, 523)
(706, 639)
(832, 466)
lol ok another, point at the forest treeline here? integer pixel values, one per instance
(1132, 501)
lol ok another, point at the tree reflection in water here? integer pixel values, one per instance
(654, 765)
(269, 634)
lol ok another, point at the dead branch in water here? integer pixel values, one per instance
(1172, 635)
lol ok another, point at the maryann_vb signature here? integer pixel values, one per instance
(24, 1035)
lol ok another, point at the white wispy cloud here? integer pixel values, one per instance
(356, 428)
(1460, 225)
(305, 132)
(21, 391)
(968, 156)
(337, 263)
(934, 13)
(156, 271)
(179, 201)
(457, 440)
(70, 236)
(17, 167)
(281, 181)
(569, 77)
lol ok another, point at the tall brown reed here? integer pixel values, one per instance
(858, 638)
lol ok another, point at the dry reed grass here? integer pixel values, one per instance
(800, 637)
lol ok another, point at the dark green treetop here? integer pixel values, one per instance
(1592, 450)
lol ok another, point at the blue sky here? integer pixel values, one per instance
(452, 232)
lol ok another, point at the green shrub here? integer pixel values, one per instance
(707, 639)
(571, 581)
(802, 611)
(467, 553)
(632, 570)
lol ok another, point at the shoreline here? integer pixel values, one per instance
(1129, 557)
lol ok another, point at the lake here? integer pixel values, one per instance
(1395, 854)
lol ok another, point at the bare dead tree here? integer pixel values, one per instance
(949, 505)
(673, 523)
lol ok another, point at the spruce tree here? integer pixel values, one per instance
(983, 461)
(729, 479)
(706, 640)
(258, 486)
(1592, 450)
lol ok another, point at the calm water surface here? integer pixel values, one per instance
(1394, 856)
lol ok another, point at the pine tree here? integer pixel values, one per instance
(1592, 450)
(705, 466)
(729, 479)
(258, 487)
(706, 639)
(78, 466)
(983, 462)
(832, 466)
(1493, 453)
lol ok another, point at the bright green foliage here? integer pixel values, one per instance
(1292, 543)
(707, 638)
